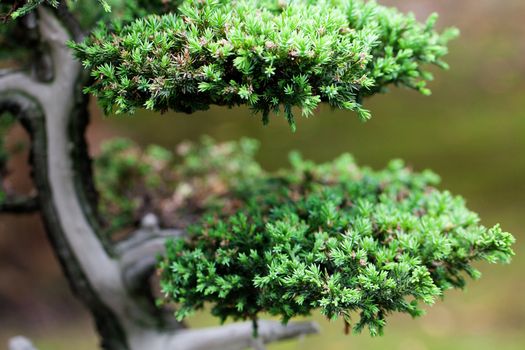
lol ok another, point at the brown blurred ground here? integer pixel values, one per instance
(471, 132)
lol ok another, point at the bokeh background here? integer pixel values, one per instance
(471, 131)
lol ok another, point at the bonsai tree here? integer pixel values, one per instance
(148, 236)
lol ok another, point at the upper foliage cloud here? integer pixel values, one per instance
(269, 55)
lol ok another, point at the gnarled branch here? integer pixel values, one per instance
(238, 336)
(138, 254)
(109, 282)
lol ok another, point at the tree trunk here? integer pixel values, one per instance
(112, 281)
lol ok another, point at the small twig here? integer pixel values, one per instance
(5, 17)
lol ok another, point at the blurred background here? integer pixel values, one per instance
(471, 131)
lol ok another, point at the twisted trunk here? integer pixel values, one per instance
(111, 281)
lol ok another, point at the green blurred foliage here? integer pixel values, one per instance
(176, 186)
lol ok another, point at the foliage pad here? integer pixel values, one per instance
(333, 237)
(266, 54)
(176, 186)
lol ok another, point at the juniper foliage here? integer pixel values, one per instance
(17, 43)
(265, 54)
(18, 8)
(176, 186)
(334, 237)
(122, 11)
(21, 8)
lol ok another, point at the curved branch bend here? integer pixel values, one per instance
(52, 113)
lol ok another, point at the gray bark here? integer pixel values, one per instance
(110, 280)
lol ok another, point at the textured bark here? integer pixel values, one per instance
(112, 281)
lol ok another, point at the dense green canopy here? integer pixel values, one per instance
(334, 237)
(270, 55)
(266, 54)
